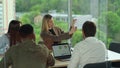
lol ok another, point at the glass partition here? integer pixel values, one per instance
(32, 12)
(61, 10)
(105, 14)
(92, 10)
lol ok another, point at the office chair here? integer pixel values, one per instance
(105, 64)
(115, 47)
(115, 64)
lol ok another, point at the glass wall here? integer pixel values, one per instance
(105, 13)
(113, 18)
(92, 10)
(32, 12)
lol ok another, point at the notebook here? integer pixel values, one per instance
(61, 51)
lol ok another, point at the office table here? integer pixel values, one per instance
(61, 63)
(111, 57)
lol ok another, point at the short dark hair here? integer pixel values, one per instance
(89, 29)
(26, 30)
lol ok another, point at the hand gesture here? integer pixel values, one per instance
(73, 29)
(73, 22)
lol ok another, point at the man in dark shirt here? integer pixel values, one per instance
(27, 54)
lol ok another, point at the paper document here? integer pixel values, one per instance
(81, 19)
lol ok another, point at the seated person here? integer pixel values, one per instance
(90, 50)
(11, 37)
(52, 34)
(27, 54)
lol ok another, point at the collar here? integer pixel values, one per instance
(91, 39)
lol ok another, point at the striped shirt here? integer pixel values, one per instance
(90, 50)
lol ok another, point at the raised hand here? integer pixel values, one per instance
(73, 29)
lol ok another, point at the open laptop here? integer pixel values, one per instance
(61, 51)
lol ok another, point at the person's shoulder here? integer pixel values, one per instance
(41, 45)
(3, 36)
(12, 49)
(101, 42)
(43, 48)
(79, 44)
(44, 32)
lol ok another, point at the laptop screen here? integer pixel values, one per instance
(61, 51)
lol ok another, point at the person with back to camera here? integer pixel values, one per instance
(11, 37)
(52, 34)
(90, 50)
(27, 54)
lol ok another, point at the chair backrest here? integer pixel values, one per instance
(106, 64)
(115, 47)
(115, 64)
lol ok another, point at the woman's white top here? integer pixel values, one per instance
(4, 43)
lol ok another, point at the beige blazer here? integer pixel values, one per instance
(49, 38)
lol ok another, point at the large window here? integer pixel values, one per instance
(113, 20)
(32, 12)
(105, 13)
(1, 18)
(91, 10)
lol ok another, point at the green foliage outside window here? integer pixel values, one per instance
(111, 17)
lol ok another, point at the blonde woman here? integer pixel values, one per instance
(52, 34)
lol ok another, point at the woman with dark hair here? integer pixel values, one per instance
(13, 32)
(11, 37)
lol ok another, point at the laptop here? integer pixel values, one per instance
(61, 51)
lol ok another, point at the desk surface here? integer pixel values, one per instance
(111, 56)
(61, 63)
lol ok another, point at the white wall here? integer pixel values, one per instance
(9, 12)
(1, 18)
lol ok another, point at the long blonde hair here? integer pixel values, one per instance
(45, 20)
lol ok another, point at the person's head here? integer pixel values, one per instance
(47, 22)
(89, 29)
(14, 25)
(13, 32)
(27, 32)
